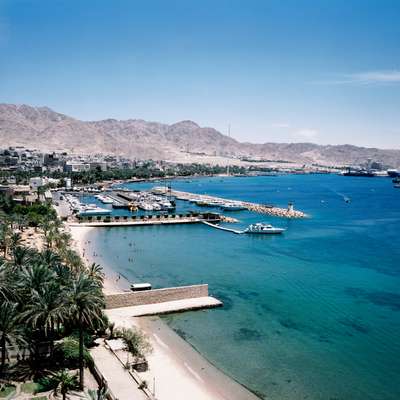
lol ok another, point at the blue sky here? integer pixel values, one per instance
(326, 71)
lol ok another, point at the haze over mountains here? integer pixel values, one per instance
(47, 130)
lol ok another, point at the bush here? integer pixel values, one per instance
(67, 353)
(88, 340)
(46, 383)
(6, 390)
(136, 342)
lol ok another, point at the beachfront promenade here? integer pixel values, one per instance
(122, 385)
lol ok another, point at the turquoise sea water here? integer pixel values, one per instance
(311, 314)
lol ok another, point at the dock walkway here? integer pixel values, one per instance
(138, 222)
(119, 380)
(222, 228)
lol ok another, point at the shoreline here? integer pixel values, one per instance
(173, 359)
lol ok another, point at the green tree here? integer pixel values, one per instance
(46, 310)
(5, 237)
(64, 382)
(10, 330)
(85, 308)
(95, 272)
(135, 341)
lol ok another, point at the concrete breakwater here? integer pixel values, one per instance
(289, 212)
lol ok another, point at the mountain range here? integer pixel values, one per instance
(44, 129)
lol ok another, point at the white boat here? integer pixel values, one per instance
(232, 207)
(145, 206)
(139, 287)
(107, 200)
(104, 199)
(263, 229)
(93, 210)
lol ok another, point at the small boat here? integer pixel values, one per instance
(396, 185)
(139, 287)
(263, 229)
(145, 206)
(232, 207)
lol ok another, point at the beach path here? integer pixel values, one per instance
(120, 382)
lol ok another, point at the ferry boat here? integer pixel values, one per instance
(263, 229)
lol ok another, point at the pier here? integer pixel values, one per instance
(222, 228)
(146, 220)
(289, 212)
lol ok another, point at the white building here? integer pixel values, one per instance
(76, 167)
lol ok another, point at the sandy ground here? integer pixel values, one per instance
(176, 370)
(33, 239)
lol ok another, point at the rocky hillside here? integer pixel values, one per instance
(45, 129)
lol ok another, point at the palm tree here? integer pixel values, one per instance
(22, 256)
(10, 331)
(15, 239)
(64, 382)
(85, 307)
(73, 260)
(49, 258)
(62, 240)
(5, 237)
(34, 277)
(64, 274)
(96, 273)
(45, 311)
(4, 282)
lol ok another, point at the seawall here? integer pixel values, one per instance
(155, 296)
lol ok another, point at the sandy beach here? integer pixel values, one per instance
(176, 370)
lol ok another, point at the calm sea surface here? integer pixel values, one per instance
(311, 314)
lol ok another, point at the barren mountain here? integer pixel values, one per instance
(45, 129)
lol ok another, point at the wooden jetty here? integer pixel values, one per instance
(289, 212)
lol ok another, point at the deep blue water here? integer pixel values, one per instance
(311, 314)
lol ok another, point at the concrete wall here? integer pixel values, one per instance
(154, 296)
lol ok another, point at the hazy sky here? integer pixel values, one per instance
(326, 71)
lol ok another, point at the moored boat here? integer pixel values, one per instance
(232, 207)
(92, 209)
